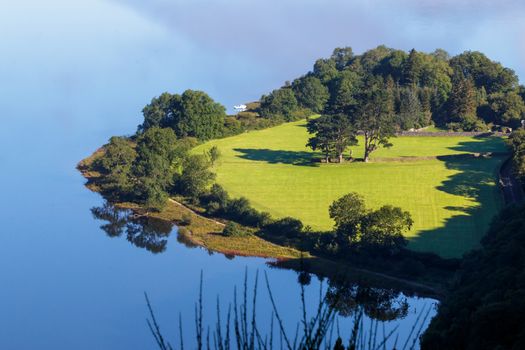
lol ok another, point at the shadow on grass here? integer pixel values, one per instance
(489, 144)
(278, 156)
(475, 179)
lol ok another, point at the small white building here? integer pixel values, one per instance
(240, 108)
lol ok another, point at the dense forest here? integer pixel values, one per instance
(151, 166)
(465, 92)
(377, 94)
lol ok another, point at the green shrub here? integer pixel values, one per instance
(184, 231)
(288, 227)
(186, 219)
(240, 210)
(247, 115)
(302, 113)
(233, 229)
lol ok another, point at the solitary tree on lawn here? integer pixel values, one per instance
(333, 134)
(374, 115)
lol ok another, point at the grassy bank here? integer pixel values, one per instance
(196, 228)
(452, 198)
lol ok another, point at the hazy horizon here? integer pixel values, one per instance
(234, 50)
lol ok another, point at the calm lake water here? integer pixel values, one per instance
(72, 74)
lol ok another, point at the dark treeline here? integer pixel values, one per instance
(464, 92)
(486, 302)
(152, 166)
(517, 144)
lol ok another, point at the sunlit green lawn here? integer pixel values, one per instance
(451, 199)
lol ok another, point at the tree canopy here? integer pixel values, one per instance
(279, 103)
(192, 114)
(333, 134)
(150, 168)
(154, 166)
(517, 143)
(116, 165)
(374, 115)
(357, 227)
(465, 92)
(310, 93)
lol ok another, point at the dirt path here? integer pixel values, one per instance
(510, 185)
(194, 212)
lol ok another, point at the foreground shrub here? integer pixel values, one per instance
(217, 202)
(186, 219)
(233, 229)
(240, 210)
(288, 227)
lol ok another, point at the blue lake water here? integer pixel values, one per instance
(72, 74)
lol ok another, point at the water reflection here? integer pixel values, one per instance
(349, 297)
(141, 231)
(382, 304)
(353, 302)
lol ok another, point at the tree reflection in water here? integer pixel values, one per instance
(142, 231)
(321, 330)
(346, 298)
(380, 304)
(350, 298)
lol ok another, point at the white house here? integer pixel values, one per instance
(240, 108)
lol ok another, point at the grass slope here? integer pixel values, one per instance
(451, 198)
(200, 230)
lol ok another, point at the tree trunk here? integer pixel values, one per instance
(340, 157)
(367, 149)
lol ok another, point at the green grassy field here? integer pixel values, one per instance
(451, 198)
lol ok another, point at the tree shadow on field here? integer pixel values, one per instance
(475, 179)
(278, 156)
(491, 144)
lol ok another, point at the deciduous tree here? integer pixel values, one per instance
(374, 115)
(310, 93)
(192, 114)
(154, 166)
(196, 114)
(383, 228)
(195, 176)
(280, 103)
(333, 134)
(116, 164)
